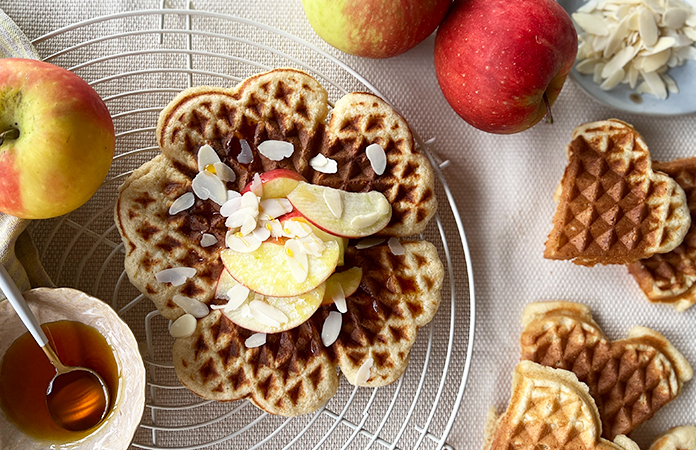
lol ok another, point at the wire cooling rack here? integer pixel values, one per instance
(138, 61)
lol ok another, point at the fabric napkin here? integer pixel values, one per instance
(17, 251)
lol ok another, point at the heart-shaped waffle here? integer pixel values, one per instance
(282, 104)
(294, 373)
(613, 208)
(549, 409)
(677, 438)
(630, 379)
(671, 277)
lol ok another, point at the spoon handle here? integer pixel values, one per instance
(9, 288)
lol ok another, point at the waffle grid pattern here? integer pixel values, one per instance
(614, 209)
(670, 277)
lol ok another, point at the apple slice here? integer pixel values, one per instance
(349, 280)
(321, 234)
(277, 183)
(266, 270)
(357, 214)
(296, 310)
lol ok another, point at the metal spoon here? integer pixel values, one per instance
(77, 398)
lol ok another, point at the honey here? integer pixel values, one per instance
(25, 374)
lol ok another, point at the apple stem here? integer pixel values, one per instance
(549, 116)
(12, 133)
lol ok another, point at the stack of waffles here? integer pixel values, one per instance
(576, 389)
(617, 206)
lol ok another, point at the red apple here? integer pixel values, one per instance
(502, 63)
(59, 140)
(375, 28)
(277, 183)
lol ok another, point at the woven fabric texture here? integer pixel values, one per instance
(502, 185)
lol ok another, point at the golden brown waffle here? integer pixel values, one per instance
(293, 373)
(613, 208)
(671, 277)
(629, 379)
(289, 105)
(677, 438)
(283, 104)
(549, 409)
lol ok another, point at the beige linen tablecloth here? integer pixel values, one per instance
(502, 185)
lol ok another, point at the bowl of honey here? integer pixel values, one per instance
(84, 331)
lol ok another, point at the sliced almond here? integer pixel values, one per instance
(322, 164)
(652, 63)
(396, 247)
(648, 27)
(208, 186)
(224, 172)
(191, 306)
(364, 372)
(231, 206)
(207, 156)
(365, 220)
(176, 275)
(245, 155)
(276, 150)
(182, 203)
(255, 340)
(592, 23)
(183, 327)
(241, 243)
(267, 314)
(657, 86)
(331, 328)
(275, 207)
(236, 297)
(334, 201)
(675, 18)
(378, 159)
(369, 242)
(208, 240)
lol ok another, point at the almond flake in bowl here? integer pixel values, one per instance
(634, 44)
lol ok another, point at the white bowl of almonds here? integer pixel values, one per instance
(637, 56)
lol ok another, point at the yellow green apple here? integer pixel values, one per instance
(375, 28)
(266, 270)
(57, 139)
(341, 213)
(293, 310)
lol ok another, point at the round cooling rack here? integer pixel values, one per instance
(138, 61)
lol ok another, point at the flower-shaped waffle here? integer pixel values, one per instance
(613, 208)
(671, 277)
(549, 409)
(630, 379)
(292, 372)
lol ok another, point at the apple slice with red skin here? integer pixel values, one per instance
(309, 200)
(297, 309)
(277, 183)
(321, 234)
(349, 280)
(266, 271)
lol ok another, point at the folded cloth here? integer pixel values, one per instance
(17, 251)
